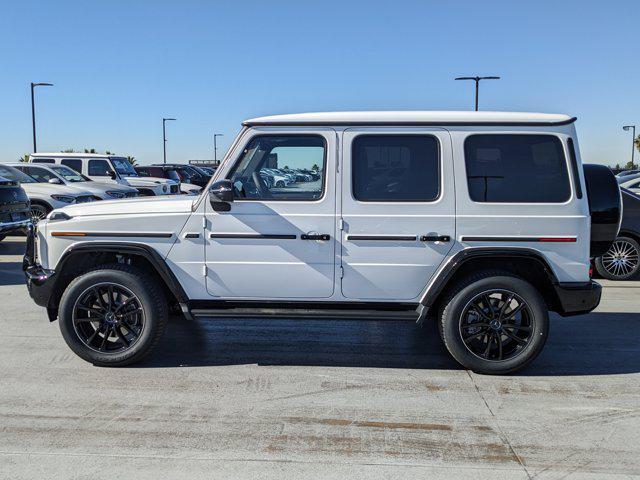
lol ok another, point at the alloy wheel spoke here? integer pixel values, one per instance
(121, 336)
(514, 337)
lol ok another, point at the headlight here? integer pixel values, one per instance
(56, 216)
(194, 192)
(64, 198)
(165, 188)
(115, 194)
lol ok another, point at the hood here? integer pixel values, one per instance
(52, 189)
(149, 181)
(98, 187)
(146, 205)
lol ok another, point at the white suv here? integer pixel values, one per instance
(109, 169)
(479, 220)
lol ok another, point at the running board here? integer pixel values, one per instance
(335, 314)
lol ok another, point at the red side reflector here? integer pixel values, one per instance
(558, 239)
(591, 272)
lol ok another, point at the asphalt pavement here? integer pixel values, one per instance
(293, 399)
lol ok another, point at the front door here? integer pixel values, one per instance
(278, 238)
(398, 210)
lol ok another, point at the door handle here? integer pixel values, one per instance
(435, 238)
(315, 236)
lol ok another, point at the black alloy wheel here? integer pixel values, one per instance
(496, 325)
(108, 317)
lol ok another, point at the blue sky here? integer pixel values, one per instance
(120, 66)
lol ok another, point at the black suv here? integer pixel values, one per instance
(188, 173)
(14, 208)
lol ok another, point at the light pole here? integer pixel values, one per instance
(626, 128)
(215, 145)
(33, 111)
(164, 139)
(477, 80)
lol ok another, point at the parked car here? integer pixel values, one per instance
(63, 175)
(15, 212)
(627, 178)
(187, 173)
(625, 173)
(109, 169)
(632, 183)
(621, 261)
(169, 172)
(44, 197)
(477, 220)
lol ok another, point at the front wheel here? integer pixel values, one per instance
(113, 315)
(38, 212)
(494, 323)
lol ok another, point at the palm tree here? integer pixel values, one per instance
(636, 142)
(132, 160)
(92, 150)
(24, 158)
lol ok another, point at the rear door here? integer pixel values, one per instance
(398, 210)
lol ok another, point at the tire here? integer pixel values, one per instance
(280, 184)
(464, 307)
(39, 211)
(141, 321)
(622, 260)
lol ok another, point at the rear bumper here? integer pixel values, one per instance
(577, 298)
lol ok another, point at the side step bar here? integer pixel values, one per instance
(335, 314)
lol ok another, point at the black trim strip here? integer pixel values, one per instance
(192, 235)
(398, 238)
(568, 239)
(409, 124)
(253, 236)
(113, 234)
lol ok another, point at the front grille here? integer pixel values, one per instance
(175, 189)
(131, 194)
(84, 199)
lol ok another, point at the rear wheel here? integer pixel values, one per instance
(113, 315)
(494, 323)
(621, 262)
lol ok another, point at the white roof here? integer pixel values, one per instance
(413, 118)
(71, 155)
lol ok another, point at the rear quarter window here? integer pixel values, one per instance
(516, 168)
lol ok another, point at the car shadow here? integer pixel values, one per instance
(595, 344)
(11, 273)
(12, 248)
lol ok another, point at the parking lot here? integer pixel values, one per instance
(327, 399)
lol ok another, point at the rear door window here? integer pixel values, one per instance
(43, 160)
(395, 168)
(72, 163)
(516, 168)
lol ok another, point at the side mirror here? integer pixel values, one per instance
(221, 195)
(112, 174)
(55, 181)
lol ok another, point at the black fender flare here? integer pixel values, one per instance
(438, 284)
(142, 250)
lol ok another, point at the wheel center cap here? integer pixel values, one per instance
(110, 317)
(495, 324)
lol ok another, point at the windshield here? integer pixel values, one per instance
(15, 174)
(123, 166)
(68, 174)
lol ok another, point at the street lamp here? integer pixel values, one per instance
(477, 80)
(215, 145)
(626, 128)
(33, 111)
(164, 138)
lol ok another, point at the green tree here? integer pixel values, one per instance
(68, 150)
(630, 165)
(636, 142)
(107, 152)
(132, 160)
(90, 150)
(315, 167)
(286, 167)
(24, 158)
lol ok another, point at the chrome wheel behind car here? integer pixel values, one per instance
(496, 325)
(108, 318)
(622, 261)
(38, 212)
